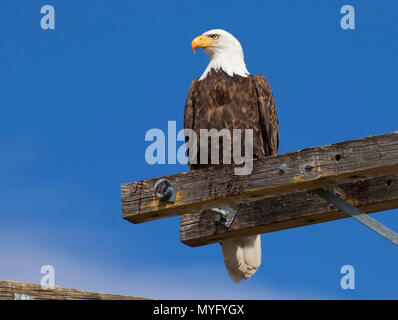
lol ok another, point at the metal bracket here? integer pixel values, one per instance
(164, 190)
(225, 215)
(358, 215)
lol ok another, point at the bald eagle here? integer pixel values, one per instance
(227, 96)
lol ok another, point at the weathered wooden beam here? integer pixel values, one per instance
(306, 169)
(289, 211)
(15, 290)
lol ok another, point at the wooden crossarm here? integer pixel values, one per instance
(15, 290)
(307, 169)
(289, 211)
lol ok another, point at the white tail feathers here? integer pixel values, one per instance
(242, 256)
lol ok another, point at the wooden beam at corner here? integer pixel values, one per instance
(15, 290)
(289, 211)
(306, 169)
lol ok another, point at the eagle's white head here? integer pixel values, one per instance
(224, 51)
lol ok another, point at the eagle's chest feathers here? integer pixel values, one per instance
(225, 102)
(221, 95)
(222, 89)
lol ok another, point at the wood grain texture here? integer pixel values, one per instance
(8, 290)
(289, 211)
(306, 169)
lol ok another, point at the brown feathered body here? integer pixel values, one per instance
(220, 101)
(223, 102)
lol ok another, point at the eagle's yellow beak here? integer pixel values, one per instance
(200, 42)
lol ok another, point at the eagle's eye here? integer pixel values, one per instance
(214, 36)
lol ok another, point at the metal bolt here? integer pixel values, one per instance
(309, 168)
(225, 216)
(282, 168)
(163, 189)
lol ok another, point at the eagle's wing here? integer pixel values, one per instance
(268, 116)
(189, 107)
(189, 113)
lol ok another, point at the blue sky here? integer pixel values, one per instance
(76, 103)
